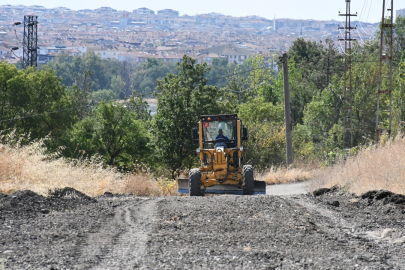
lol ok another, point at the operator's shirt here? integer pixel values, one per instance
(223, 136)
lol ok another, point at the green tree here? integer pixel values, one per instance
(325, 112)
(117, 132)
(118, 86)
(264, 120)
(219, 70)
(182, 99)
(145, 76)
(399, 38)
(317, 62)
(104, 94)
(34, 102)
(103, 72)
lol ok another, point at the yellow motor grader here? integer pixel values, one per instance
(220, 148)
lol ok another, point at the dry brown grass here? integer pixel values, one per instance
(30, 168)
(282, 175)
(374, 168)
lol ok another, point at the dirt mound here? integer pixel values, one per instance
(108, 194)
(384, 195)
(69, 194)
(24, 197)
(3, 197)
(22, 201)
(372, 196)
(322, 191)
(27, 202)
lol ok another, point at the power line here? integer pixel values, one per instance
(240, 92)
(371, 31)
(369, 44)
(230, 90)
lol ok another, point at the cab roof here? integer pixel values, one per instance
(219, 117)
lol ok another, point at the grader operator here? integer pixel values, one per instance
(220, 149)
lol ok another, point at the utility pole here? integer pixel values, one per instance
(385, 55)
(287, 111)
(347, 93)
(328, 71)
(30, 41)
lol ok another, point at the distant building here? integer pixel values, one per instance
(85, 10)
(232, 54)
(105, 9)
(143, 11)
(43, 59)
(4, 51)
(61, 9)
(168, 13)
(400, 12)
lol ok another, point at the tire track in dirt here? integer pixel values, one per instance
(340, 225)
(337, 225)
(121, 243)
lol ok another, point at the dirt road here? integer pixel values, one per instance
(288, 189)
(333, 230)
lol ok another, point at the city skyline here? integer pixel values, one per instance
(368, 11)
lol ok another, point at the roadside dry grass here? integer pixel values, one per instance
(373, 168)
(282, 175)
(30, 168)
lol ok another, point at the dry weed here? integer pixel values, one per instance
(30, 168)
(143, 184)
(282, 175)
(374, 168)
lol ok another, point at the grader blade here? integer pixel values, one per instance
(260, 188)
(182, 185)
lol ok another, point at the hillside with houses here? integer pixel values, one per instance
(163, 34)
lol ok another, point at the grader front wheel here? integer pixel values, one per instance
(194, 182)
(248, 180)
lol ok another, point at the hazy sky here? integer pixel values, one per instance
(368, 10)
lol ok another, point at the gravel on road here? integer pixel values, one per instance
(327, 229)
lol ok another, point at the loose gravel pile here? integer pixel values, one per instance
(328, 229)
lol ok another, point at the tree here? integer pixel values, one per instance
(145, 76)
(182, 99)
(399, 38)
(219, 69)
(117, 132)
(118, 86)
(325, 112)
(264, 120)
(103, 72)
(34, 102)
(317, 62)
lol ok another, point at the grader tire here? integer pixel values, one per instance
(194, 182)
(248, 180)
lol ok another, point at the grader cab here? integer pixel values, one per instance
(219, 138)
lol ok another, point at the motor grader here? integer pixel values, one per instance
(220, 149)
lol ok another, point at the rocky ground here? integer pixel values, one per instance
(327, 229)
